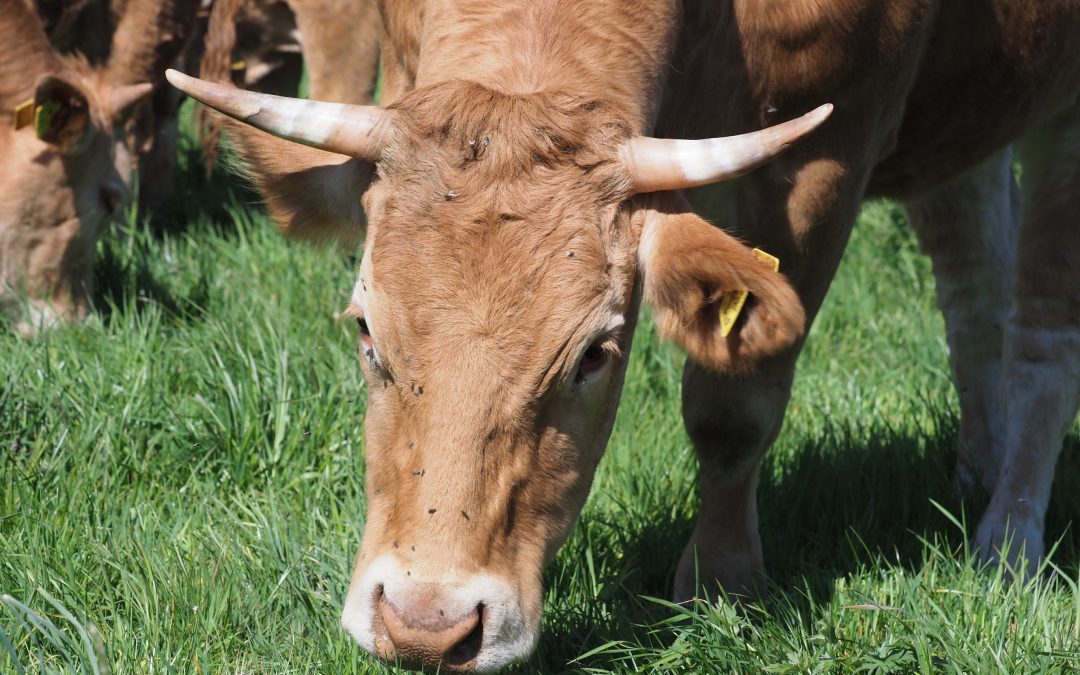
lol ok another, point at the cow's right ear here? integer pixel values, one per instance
(690, 269)
(61, 113)
(312, 194)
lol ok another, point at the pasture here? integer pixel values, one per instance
(181, 482)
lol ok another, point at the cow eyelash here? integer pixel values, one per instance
(597, 355)
(367, 344)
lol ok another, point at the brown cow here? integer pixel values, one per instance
(64, 169)
(512, 231)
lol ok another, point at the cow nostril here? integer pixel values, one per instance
(466, 650)
(422, 636)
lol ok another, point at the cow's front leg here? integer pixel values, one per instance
(732, 419)
(967, 226)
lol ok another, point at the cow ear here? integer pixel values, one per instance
(693, 274)
(61, 113)
(311, 194)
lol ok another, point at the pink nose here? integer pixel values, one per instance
(424, 636)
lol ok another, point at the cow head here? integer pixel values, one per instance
(64, 171)
(510, 239)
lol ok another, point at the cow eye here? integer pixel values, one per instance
(592, 360)
(365, 334)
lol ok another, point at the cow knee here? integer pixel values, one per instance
(733, 420)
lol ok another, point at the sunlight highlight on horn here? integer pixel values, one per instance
(336, 127)
(658, 164)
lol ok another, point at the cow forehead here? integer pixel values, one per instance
(495, 225)
(476, 274)
(457, 138)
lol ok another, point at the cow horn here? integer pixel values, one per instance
(122, 97)
(658, 164)
(337, 127)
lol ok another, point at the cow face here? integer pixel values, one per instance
(495, 304)
(506, 252)
(64, 175)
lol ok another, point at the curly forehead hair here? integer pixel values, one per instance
(450, 125)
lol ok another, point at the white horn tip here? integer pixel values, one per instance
(822, 112)
(178, 79)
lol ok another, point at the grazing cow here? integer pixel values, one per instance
(518, 213)
(64, 169)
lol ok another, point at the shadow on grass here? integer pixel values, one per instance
(126, 274)
(128, 283)
(203, 197)
(828, 510)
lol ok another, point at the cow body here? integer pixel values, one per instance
(508, 247)
(930, 97)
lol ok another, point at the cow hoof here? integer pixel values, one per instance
(1010, 536)
(739, 577)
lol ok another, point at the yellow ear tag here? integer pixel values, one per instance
(732, 303)
(24, 114)
(43, 115)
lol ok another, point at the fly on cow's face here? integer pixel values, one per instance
(477, 148)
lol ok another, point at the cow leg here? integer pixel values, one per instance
(1041, 369)
(341, 48)
(733, 419)
(725, 547)
(968, 228)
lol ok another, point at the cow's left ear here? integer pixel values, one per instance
(61, 113)
(691, 270)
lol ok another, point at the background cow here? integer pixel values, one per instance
(513, 227)
(259, 43)
(56, 200)
(65, 168)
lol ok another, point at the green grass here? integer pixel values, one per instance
(181, 484)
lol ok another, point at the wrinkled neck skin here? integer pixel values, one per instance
(521, 48)
(481, 435)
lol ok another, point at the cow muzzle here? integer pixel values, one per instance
(422, 634)
(472, 623)
(38, 316)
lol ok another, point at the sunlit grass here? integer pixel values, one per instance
(181, 485)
